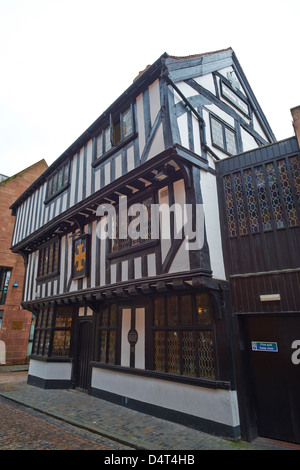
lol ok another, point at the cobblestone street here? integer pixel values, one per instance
(35, 419)
(24, 429)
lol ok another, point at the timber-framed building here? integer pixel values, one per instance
(145, 322)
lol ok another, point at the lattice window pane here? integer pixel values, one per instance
(250, 196)
(230, 141)
(159, 311)
(127, 123)
(242, 220)
(204, 310)
(159, 351)
(287, 194)
(172, 310)
(112, 347)
(206, 354)
(173, 352)
(262, 198)
(217, 133)
(103, 343)
(232, 225)
(188, 354)
(61, 343)
(99, 146)
(275, 197)
(186, 310)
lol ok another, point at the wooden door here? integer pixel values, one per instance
(274, 351)
(84, 355)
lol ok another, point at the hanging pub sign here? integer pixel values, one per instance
(234, 99)
(80, 258)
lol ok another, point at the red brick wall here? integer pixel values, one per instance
(16, 322)
(296, 121)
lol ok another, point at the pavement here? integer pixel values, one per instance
(128, 427)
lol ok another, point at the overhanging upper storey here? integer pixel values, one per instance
(202, 104)
(175, 162)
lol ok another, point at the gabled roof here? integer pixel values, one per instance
(175, 68)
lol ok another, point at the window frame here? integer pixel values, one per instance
(140, 243)
(107, 329)
(54, 177)
(44, 331)
(225, 127)
(54, 272)
(109, 130)
(5, 275)
(182, 328)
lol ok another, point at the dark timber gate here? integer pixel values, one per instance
(84, 354)
(274, 354)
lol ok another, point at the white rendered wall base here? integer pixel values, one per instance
(216, 411)
(50, 374)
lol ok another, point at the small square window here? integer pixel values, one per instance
(222, 136)
(57, 182)
(120, 128)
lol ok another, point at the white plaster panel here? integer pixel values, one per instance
(216, 405)
(50, 370)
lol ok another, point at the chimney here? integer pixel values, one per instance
(296, 122)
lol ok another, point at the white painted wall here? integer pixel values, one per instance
(50, 370)
(212, 223)
(215, 405)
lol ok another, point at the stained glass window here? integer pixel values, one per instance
(262, 199)
(287, 194)
(239, 196)
(275, 196)
(231, 221)
(250, 196)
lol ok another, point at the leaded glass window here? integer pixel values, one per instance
(287, 194)
(251, 202)
(58, 181)
(240, 203)
(231, 219)
(275, 196)
(52, 336)
(127, 123)
(137, 226)
(263, 200)
(183, 338)
(107, 335)
(120, 128)
(222, 136)
(49, 260)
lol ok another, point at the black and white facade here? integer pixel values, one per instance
(144, 321)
